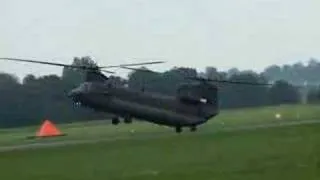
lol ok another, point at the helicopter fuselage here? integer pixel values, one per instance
(152, 107)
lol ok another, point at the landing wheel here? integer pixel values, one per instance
(128, 120)
(115, 120)
(193, 128)
(178, 129)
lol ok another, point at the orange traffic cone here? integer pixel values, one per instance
(48, 129)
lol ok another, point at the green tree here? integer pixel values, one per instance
(75, 76)
(283, 93)
(240, 95)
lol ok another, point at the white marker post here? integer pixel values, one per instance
(278, 116)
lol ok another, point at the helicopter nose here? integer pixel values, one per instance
(74, 94)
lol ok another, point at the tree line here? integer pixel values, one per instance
(30, 101)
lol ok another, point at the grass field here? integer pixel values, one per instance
(276, 153)
(230, 118)
(291, 152)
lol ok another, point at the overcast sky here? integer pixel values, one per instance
(248, 34)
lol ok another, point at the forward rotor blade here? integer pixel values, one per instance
(54, 64)
(133, 64)
(136, 69)
(80, 67)
(34, 61)
(230, 82)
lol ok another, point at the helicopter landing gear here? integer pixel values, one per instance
(115, 121)
(127, 120)
(178, 129)
(193, 128)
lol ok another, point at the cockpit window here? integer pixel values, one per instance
(85, 86)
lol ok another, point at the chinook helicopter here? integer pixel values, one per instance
(194, 103)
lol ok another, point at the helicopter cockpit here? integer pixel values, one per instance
(80, 90)
(85, 87)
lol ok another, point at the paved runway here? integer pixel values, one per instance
(71, 142)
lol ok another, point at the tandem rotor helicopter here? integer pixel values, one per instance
(194, 103)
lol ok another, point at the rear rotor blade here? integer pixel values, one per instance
(230, 82)
(240, 82)
(133, 64)
(111, 72)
